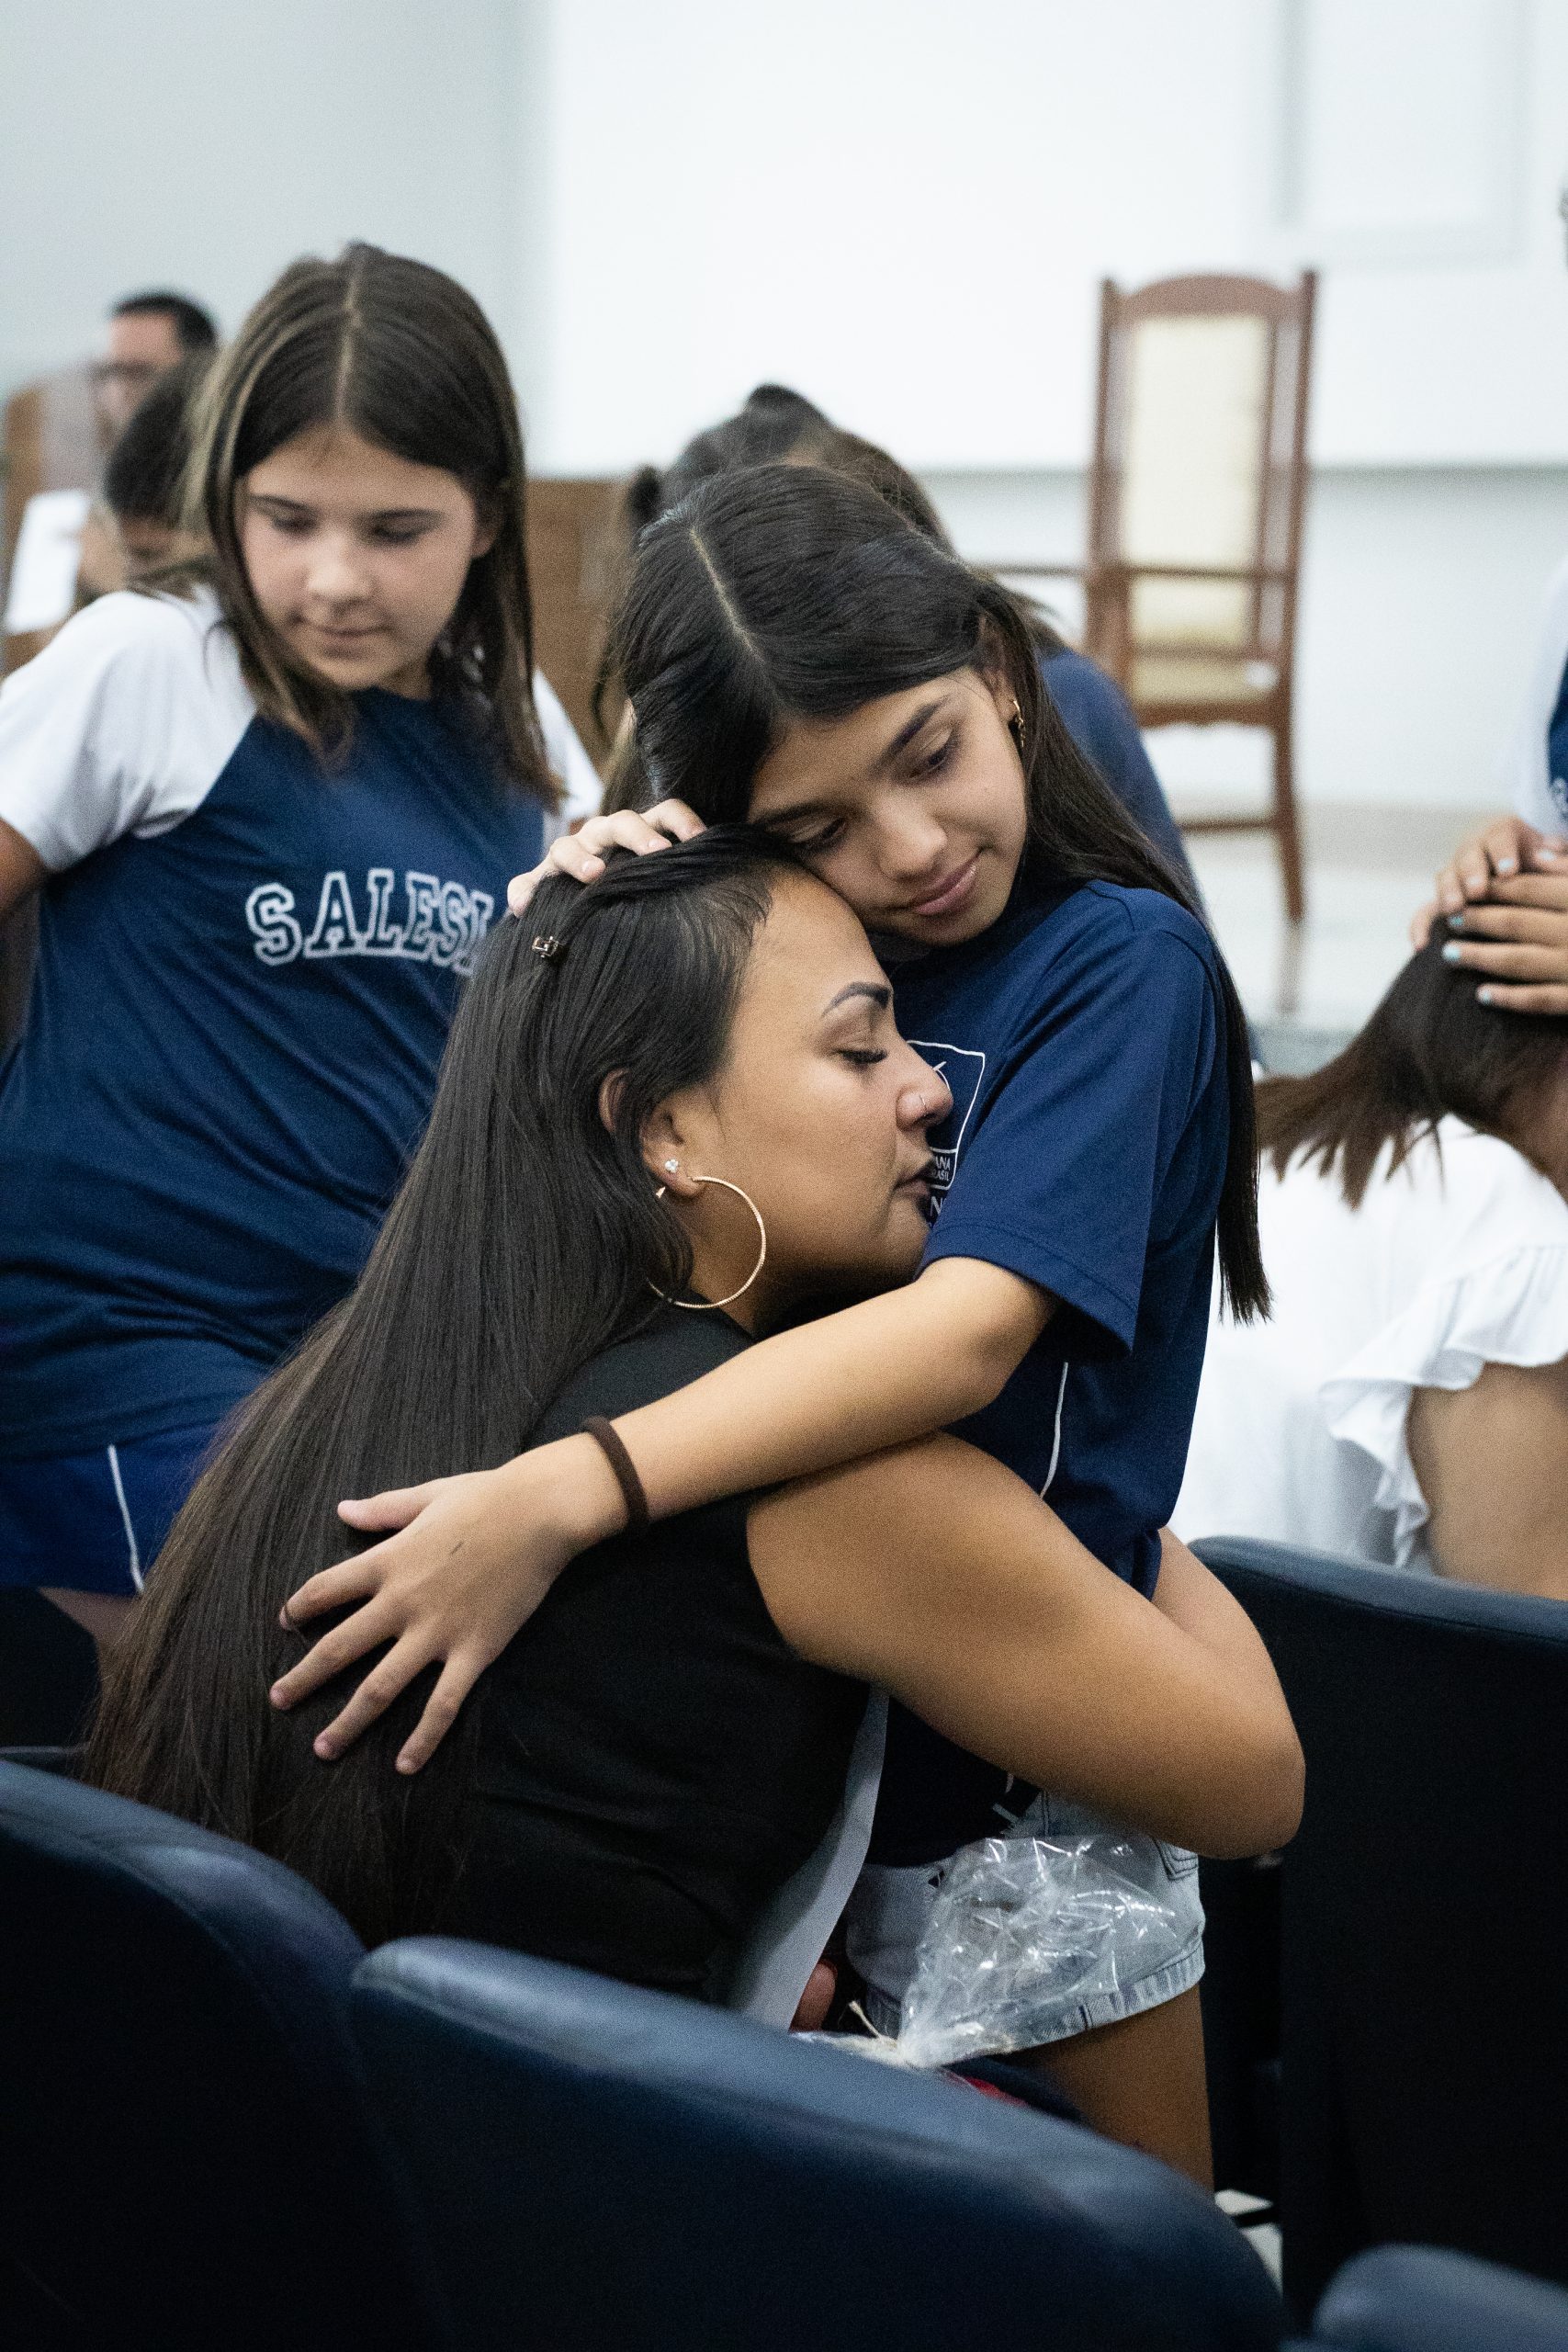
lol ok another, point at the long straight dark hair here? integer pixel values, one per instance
(787, 593)
(399, 353)
(525, 1239)
(774, 425)
(1430, 1050)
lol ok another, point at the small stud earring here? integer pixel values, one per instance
(671, 1166)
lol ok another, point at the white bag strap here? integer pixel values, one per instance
(775, 1963)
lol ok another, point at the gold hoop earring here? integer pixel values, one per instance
(709, 1306)
(1015, 728)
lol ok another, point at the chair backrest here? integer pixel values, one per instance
(1200, 459)
(602, 2168)
(185, 2155)
(1425, 1904)
(1415, 2299)
(48, 441)
(576, 555)
(49, 1664)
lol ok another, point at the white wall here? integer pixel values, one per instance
(906, 213)
(204, 143)
(906, 210)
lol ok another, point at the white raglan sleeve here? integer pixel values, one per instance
(121, 725)
(570, 763)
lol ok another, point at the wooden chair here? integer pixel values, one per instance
(48, 441)
(575, 560)
(1196, 499)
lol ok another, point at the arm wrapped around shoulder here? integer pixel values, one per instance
(933, 1571)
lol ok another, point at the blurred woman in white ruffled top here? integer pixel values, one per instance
(1408, 1401)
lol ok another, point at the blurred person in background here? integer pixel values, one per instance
(146, 335)
(1408, 1401)
(145, 479)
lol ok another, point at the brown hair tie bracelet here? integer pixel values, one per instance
(608, 1438)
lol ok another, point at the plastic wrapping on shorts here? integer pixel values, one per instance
(1020, 1925)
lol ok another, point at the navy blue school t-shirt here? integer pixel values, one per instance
(247, 968)
(1082, 1038)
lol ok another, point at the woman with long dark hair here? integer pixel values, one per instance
(674, 1117)
(1408, 1402)
(797, 654)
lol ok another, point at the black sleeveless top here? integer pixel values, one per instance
(654, 1761)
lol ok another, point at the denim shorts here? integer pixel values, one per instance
(889, 1908)
(95, 1522)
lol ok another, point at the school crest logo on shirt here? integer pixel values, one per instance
(964, 1070)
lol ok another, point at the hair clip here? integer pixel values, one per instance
(549, 946)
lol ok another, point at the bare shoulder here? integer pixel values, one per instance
(925, 1533)
(887, 1498)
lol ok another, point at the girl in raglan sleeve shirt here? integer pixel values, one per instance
(270, 812)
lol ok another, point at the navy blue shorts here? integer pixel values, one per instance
(95, 1522)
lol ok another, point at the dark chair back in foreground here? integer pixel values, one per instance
(1415, 2298)
(1425, 1910)
(48, 1667)
(186, 2156)
(603, 2169)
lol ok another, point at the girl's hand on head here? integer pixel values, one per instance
(1516, 939)
(1506, 848)
(465, 1563)
(581, 855)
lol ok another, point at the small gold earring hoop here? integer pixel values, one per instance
(709, 1306)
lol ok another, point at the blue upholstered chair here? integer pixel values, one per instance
(49, 1670)
(603, 2168)
(1424, 1916)
(186, 2156)
(1415, 2298)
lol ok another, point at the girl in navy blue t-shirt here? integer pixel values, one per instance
(269, 813)
(797, 655)
(776, 425)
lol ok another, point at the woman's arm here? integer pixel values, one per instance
(473, 1556)
(1492, 1465)
(936, 1573)
(22, 870)
(465, 1561)
(877, 1375)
